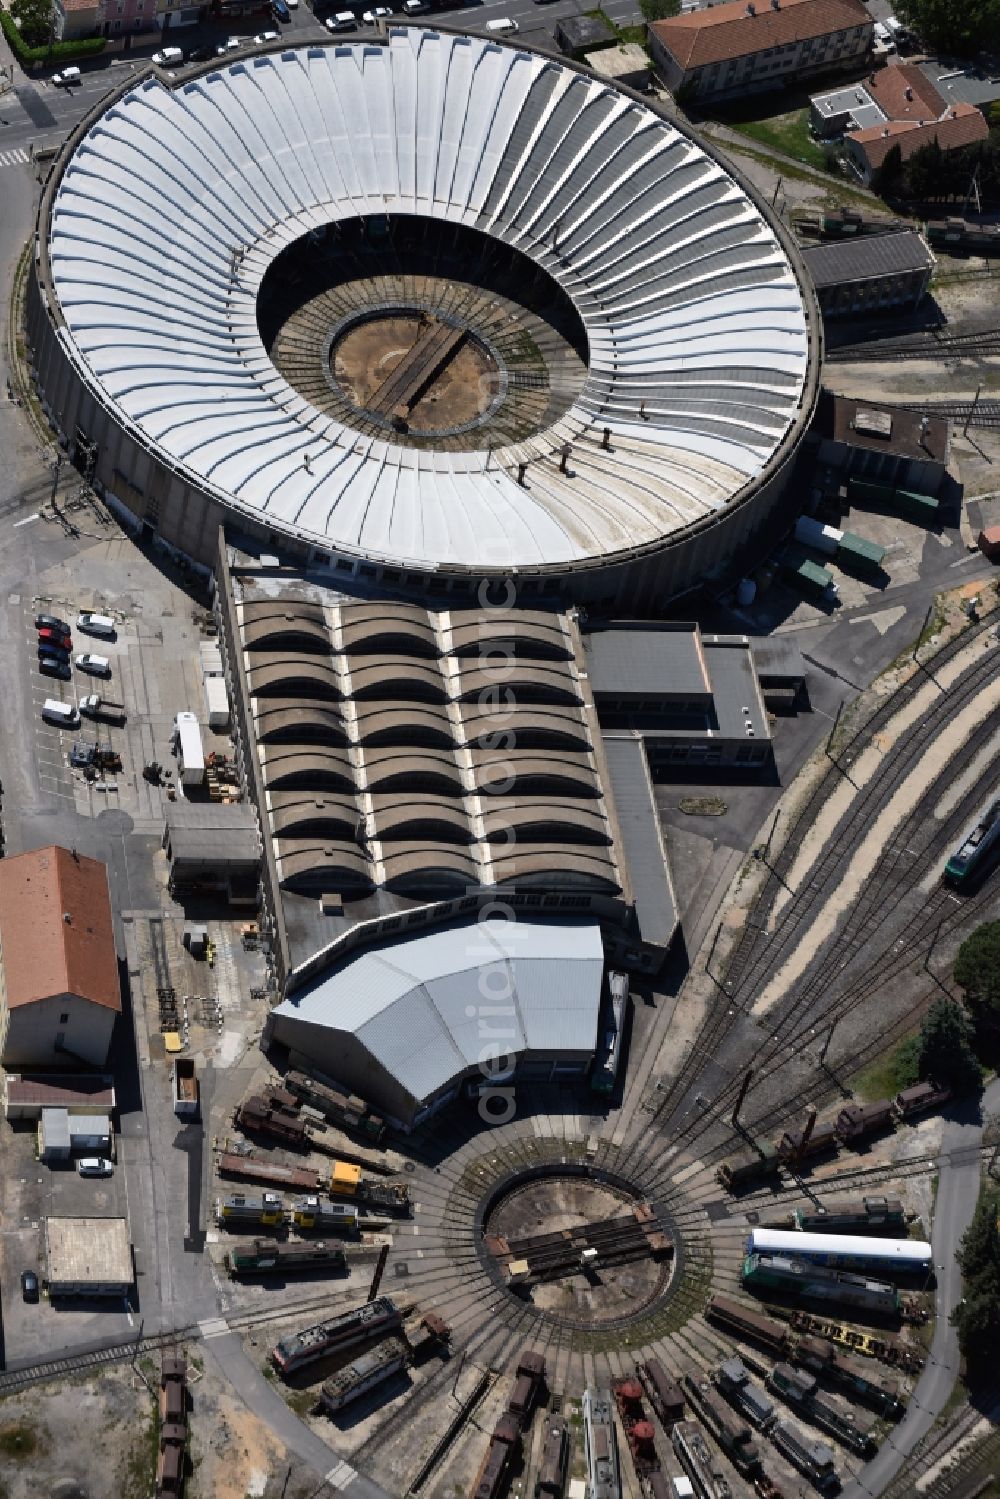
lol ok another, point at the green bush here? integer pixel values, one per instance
(58, 52)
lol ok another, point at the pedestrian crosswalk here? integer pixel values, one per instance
(342, 1475)
(16, 156)
(214, 1327)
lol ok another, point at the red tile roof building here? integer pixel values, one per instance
(59, 984)
(961, 125)
(747, 46)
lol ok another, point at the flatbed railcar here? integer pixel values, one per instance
(363, 1324)
(263, 1257)
(910, 1257)
(600, 1445)
(254, 1168)
(812, 1282)
(864, 1214)
(608, 1061)
(978, 850)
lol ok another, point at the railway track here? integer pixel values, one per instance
(756, 955)
(980, 344)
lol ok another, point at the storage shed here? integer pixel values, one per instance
(62, 1134)
(27, 1094)
(214, 846)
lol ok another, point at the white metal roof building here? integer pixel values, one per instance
(159, 226)
(402, 1025)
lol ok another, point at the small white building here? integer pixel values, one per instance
(88, 1257)
(62, 1134)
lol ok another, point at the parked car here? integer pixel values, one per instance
(501, 26)
(231, 44)
(51, 622)
(29, 1285)
(50, 668)
(415, 7)
(377, 13)
(263, 37)
(63, 715)
(66, 77)
(201, 54)
(98, 666)
(97, 624)
(343, 20)
(167, 57)
(81, 755)
(94, 1165)
(55, 637)
(280, 11)
(53, 652)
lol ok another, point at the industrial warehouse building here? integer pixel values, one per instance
(872, 272)
(671, 334)
(59, 987)
(479, 1001)
(887, 444)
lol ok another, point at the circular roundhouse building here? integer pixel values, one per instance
(423, 309)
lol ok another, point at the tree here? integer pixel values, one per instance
(977, 969)
(946, 1047)
(659, 10)
(980, 1251)
(977, 1317)
(886, 177)
(959, 28)
(35, 20)
(928, 173)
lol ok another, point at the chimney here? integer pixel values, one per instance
(909, 93)
(751, 8)
(775, 4)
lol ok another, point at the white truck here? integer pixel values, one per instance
(96, 706)
(187, 746)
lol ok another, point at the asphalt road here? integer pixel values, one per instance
(958, 1190)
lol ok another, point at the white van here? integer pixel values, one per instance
(63, 715)
(96, 624)
(502, 26)
(415, 7)
(169, 57)
(343, 21)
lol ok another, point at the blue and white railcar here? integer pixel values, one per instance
(846, 1251)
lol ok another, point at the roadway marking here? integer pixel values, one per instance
(340, 1476)
(17, 156)
(37, 515)
(214, 1327)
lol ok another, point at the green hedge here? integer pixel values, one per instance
(58, 52)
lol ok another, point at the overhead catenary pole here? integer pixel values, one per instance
(379, 1268)
(741, 1095)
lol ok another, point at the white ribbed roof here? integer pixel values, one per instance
(176, 201)
(429, 1008)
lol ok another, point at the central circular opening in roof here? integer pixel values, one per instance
(416, 371)
(423, 332)
(583, 1246)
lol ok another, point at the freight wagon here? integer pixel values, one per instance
(259, 1116)
(918, 1099)
(364, 1373)
(335, 1104)
(527, 1385)
(746, 1323)
(699, 1462)
(858, 1122)
(751, 1168)
(910, 1257)
(551, 1478)
(732, 1434)
(504, 1446)
(262, 1257)
(803, 1144)
(323, 1338)
(812, 1282)
(638, 1429)
(867, 1213)
(666, 1397)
